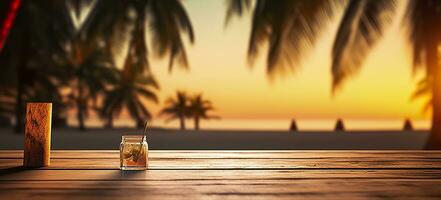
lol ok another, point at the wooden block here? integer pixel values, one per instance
(37, 144)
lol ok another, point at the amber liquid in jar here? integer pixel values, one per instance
(133, 152)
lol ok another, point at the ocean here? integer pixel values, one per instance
(273, 124)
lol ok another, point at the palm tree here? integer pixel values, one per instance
(177, 108)
(199, 108)
(291, 27)
(167, 21)
(91, 74)
(128, 92)
(422, 21)
(362, 26)
(28, 43)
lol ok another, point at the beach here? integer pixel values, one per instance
(173, 139)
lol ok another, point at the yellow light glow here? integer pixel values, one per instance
(381, 90)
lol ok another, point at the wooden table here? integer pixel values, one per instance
(227, 175)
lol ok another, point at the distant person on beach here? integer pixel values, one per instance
(407, 125)
(339, 126)
(293, 126)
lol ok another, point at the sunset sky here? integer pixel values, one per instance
(218, 69)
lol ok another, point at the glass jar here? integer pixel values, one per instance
(133, 152)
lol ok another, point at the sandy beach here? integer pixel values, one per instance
(71, 138)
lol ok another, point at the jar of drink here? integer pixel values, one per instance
(133, 152)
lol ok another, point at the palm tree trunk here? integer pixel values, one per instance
(182, 122)
(80, 107)
(434, 71)
(196, 122)
(109, 121)
(434, 141)
(139, 123)
(80, 116)
(21, 72)
(19, 108)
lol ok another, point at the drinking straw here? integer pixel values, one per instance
(146, 125)
(144, 137)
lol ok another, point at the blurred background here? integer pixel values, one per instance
(224, 74)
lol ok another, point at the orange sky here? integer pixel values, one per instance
(219, 70)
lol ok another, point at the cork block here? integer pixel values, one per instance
(37, 144)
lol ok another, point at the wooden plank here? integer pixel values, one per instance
(215, 163)
(221, 184)
(218, 189)
(241, 159)
(236, 154)
(269, 185)
(172, 175)
(120, 194)
(228, 175)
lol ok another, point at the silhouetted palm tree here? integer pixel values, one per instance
(362, 26)
(289, 28)
(177, 108)
(423, 22)
(199, 108)
(166, 20)
(45, 29)
(91, 73)
(28, 43)
(130, 91)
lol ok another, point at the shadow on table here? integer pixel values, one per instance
(13, 170)
(118, 183)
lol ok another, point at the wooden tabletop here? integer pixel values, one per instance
(227, 175)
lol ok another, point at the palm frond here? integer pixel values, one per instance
(176, 107)
(104, 17)
(168, 111)
(147, 94)
(290, 28)
(113, 103)
(428, 105)
(424, 90)
(200, 107)
(167, 20)
(421, 21)
(148, 80)
(362, 26)
(133, 109)
(236, 7)
(143, 109)
(138, 51)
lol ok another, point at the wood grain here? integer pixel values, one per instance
(238, 164)
(228, 175)
(232, 189)
(182, 154)
(242, 159)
